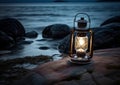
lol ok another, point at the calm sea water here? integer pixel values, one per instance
(38, 15)
(34, 16)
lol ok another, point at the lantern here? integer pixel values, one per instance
(81, 43)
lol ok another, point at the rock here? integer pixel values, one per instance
(32, 34)
(44, 48)
(57, 57)
(26, 42)
(102, 80)
(115, 19)
(107, 36)
(41, 40)
(11, 31)
(5, 52)
(6, 41)
(13, 28)
(86, 79)
(64, 45)
(61, 69)
(56, 31)
(73, 82)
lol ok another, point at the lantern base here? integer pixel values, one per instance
(80, 61)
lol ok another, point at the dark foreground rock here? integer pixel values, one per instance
(64, 45)
(56, 31)
(115, 19)
(12, 27)
(11, 31)
(15, 69)
(6, 41)
(32, 34)
(44, 48)
(106, 36)
(104, 70)
(26, 42)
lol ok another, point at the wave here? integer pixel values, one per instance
(27, 15)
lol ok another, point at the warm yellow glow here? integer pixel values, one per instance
(81, 50)
(81, 43)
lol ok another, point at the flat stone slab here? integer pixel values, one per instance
(104, 70)
(100, 79)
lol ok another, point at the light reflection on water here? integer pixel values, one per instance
(33, 49)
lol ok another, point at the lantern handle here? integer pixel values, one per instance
(83, 14)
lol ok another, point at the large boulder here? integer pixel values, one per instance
(11, 31)
(107, 36)
(56, 31)
(64, 45)
(13, 28)
(115, 19)
(6, 41)
(31, 34)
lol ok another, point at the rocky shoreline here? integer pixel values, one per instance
(15, 69)
(106, 36)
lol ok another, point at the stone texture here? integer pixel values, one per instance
(6, 41)
(31, 34)
(11, 31)
(86, 79)
(26, 42)
(12, 27)
(100, 79)
(115, 19)
(64, 45)
(107, 36)
(56, 31)
(61, 72)
(72, 82)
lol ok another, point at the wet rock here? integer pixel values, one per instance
(44, 48)
(115, 19)
(13, 28)
(11, 31)
(76, 74)
(26, 42)
(6, 41)
(107, 36)
(86, 79)
(64, 45)
(5, 52)
(32, 34)
(73, 82)
(56, 31)
(102, 80)
(57, 57)
(41, 40)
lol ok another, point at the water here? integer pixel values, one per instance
(38, 15)
(35, 16)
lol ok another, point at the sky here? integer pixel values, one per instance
(29, 1)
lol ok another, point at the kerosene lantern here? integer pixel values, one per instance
(81, 43)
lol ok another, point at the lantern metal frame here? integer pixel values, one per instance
(72, 38)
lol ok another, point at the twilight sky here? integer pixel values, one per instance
(28, 1)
